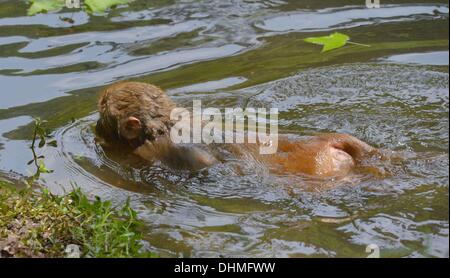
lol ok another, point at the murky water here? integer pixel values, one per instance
(393, 94)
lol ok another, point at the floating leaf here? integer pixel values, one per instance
(333, 41)
(43, 6)
(100, 6)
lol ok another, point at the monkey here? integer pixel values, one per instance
(323, 156)
(138, 115)
(133, 112)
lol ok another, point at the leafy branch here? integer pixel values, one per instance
(40, 133)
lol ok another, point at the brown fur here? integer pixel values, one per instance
(146, 102)
(321, 156)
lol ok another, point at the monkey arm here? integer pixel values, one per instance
(180, 156)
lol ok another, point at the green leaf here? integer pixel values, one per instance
(43, 6)
(100, 6)
(53, 143)
(42, 142)
(333, 41)
(43, 168)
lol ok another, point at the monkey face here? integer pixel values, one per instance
(130, 128)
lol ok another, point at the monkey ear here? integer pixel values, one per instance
(133, 123)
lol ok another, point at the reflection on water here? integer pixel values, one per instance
(348, 17)
(209, 86)
(51, 20)
(395, 97)
(439, 58)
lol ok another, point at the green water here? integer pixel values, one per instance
(393, 94)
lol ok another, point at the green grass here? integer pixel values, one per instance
(41, 224)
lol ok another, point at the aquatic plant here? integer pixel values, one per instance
(92, 6)
(42, 134)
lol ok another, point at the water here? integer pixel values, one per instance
(393, 94)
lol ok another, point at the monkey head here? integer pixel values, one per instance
(132, 112)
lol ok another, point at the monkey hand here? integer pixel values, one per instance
(178, 156)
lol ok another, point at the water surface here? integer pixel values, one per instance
(393, 94)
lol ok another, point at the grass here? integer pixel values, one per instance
(41, 224)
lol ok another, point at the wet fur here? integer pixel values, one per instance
(320, 156)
